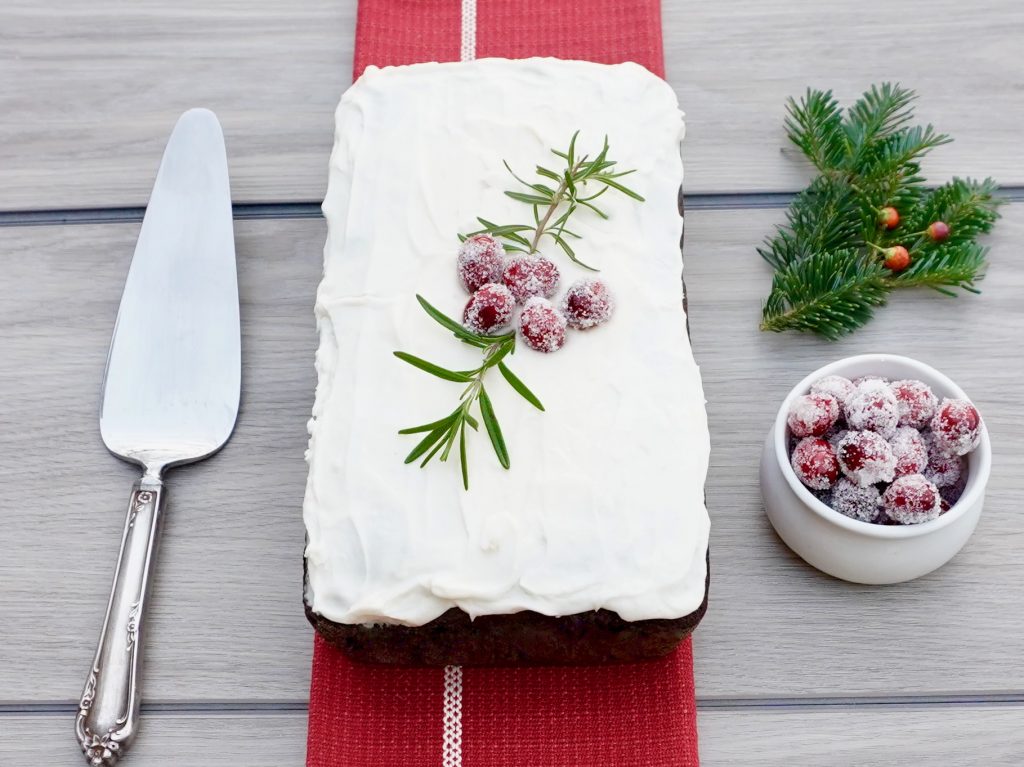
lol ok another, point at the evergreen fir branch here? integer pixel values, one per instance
(969, 206)
(875, 116)
(950, 266)
(898, 155)
(829, 257)
(815, 124)
(825, 216)
(828, 293)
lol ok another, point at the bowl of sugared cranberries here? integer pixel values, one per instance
(875, 469)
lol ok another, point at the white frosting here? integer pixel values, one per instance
(604, 504)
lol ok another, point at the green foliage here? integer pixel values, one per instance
(440, 435)
(827, 292)
(829, 275)
(554, 206)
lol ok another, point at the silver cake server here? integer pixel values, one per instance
(170, 395)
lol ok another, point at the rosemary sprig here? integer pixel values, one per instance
(439, 436)
(553, 206)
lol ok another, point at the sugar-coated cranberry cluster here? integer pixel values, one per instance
(497, 283)
(881, 451)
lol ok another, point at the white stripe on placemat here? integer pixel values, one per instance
(451, 748)
(468, 30)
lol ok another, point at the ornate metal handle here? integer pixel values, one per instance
(108, 714)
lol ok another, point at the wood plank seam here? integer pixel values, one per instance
(233, 707)
(311, 209)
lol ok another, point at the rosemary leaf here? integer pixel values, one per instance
(435, 370)
(519, 386)
(608, 181)
(462, 456)
(426, 443)
(493, 429)
(532, 199)
(430, 426)
(460, 332)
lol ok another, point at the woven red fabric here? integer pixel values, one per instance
(607, 31)
(636, 715)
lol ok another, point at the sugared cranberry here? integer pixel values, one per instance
(529, 276)
(863, 503)
(489, 309)
(812, 415)
(837, 386)
(943, 469)
(910, 451)
(912, 499)
(542, 325)
(587, 303)
(952, 493)
(915, 402)
(814, 462)
(872, 407)
(956, 426)
(836, 436)
(481, 260)
(866, 458)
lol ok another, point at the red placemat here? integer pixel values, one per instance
(634, 715)
(606, 31)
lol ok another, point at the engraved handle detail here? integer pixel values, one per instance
(108, 714)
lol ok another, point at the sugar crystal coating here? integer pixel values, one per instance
(956, 426)
(866, 458)
(812, 414)
(489, 309)
(915, 401)
(863, 503)
(837, 386)
(872, 407)
(910, 451)
(587, 303)
(951, 493)
(875, 380)
(529, 276)
(944, 469)
(912, 499)
(814, 463)
(480, 261)
(542, 325)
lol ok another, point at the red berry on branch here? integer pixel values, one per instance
(481, 258)
(938, 231)
(889, 217)
(897, 258)
(542, 325)
(489, 309)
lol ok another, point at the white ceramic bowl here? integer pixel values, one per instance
(861, 551)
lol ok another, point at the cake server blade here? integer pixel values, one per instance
(170, 394)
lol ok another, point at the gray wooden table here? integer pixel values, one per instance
(792, 667)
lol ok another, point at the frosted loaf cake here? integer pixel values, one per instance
(593, 545)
